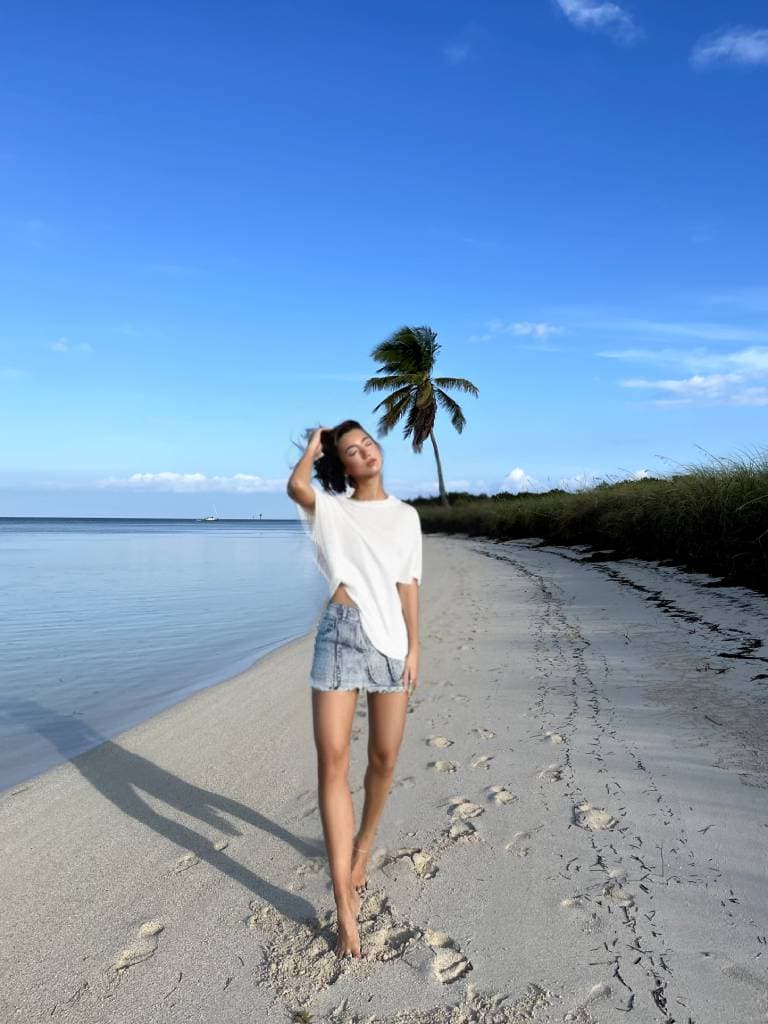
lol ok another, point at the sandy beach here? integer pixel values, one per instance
(576, 831)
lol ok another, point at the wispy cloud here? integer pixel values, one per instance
(601, 17)
(751, 300)
(524, 328)
(683, 329)
(13, 373)
(457, 53)
(538, 331)
(239, 483)
(737, 45)
(753, 360)
(716, 388)
(519, 480)
(128, 330)
(64, 345)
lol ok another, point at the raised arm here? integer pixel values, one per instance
(299, 485)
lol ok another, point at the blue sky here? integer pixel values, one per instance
(211, 213)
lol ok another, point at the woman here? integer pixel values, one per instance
(368, 546)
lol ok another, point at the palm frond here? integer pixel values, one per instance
(393, 380)
(458, 421)
(459, 383)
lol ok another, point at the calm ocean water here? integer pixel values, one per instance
(105, 622)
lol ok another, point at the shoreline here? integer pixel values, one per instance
(178, 698)
(575, 824)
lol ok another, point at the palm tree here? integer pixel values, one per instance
(408, 355)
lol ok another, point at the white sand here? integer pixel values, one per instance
(578, 825)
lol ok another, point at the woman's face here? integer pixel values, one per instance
(360, 454)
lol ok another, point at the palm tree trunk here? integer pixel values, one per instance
(440, 481)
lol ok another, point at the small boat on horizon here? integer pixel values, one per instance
(210, 519)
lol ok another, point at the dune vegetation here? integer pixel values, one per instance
(710, 518)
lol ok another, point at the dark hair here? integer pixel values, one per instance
(329, 469)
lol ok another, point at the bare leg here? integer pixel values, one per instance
(333, 713)
(386, 725)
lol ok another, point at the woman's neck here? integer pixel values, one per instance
(369, 491)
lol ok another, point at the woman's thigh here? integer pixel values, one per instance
(333, 712)
(386, 723)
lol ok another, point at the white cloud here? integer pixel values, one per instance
(457, 53)
(737, 45)
(63, 345)
(752, 300)
(715, 388)
(128, 330)
(601, 17)
(720, 378)
(753, 360)
(13, 373)
(518, 480)
(696, 385)
(239, 483)
(706, 332)
(522, 328)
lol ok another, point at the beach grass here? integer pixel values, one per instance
(710, 518)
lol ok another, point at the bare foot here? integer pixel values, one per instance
(354, 900)
(348, 941)
(359, 863)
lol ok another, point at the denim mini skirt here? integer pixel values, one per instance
(345, 659)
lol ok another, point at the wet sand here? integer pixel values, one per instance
(576, 830)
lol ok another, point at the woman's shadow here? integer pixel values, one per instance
(119, 775)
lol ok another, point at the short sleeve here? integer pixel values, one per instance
(411, 564)
(309, 517)
(317, 522)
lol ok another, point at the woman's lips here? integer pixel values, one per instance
(370, 462)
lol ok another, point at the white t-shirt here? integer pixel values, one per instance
(369, 546)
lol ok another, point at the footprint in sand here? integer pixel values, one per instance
(299, 958)
(423, 863)
(501, 795)
(614, 890)
(552, 773)
(554, 737)
(449, 965)
(461, 830)
(306, 870)
(141, 949)
(188, 860)
(439, 741)
(449, 962)
(443, 766)
(406, 782)
(581, 1014)
(594, 818)
(463, 808)
(519, 843)
(484, 734)
(481, 761)
(591, 922)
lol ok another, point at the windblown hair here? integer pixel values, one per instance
(329, 469)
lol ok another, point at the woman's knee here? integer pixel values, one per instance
(382, 761)
(332, 762)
